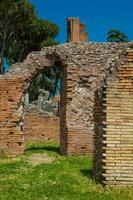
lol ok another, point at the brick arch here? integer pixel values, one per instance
(37, 62)
(14, 85)
(84, 66)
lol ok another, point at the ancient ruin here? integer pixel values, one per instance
(95, 108)
(113, 119)
(41, 118)
(40, 126)
(76, 31)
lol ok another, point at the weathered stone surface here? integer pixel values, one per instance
(84, 67)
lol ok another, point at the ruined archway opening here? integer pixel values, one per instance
(44, 87)
(42, 107)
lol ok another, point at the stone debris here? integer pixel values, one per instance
(37, 159)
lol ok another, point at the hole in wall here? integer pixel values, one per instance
(83, 147)
(11, 132)
(42, 106)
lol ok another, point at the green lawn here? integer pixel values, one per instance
(66, 178)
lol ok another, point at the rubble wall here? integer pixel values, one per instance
(84, 67)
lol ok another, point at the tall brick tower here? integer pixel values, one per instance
(76, 30)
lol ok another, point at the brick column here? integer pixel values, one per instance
(116, 143)
(11, 115)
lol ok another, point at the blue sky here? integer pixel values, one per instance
(99, 15)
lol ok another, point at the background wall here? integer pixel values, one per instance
(40, 127)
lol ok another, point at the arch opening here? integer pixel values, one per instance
(42, 107)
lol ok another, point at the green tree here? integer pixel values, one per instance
(48, 80)
(21, 31)
(115, 35)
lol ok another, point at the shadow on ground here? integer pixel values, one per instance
(88, 173)
(43, 148)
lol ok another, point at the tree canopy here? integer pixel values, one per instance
(115, 35)
(22, 31)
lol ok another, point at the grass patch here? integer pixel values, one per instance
(66, 178)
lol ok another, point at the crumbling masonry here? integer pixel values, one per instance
(76, 31)
(96, 104)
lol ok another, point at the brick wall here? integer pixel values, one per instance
(115, 146)
(84, 66)
(76, 31)
(11, 118)
(79, 140)
(40, 127)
